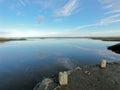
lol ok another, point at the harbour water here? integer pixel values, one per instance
(24, 63)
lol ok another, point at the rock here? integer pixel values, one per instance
(78, 68)
(69, 72)
(46, 84)
(63, 78)
(87, 72)
(103, 64)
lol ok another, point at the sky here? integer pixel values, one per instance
(68, 18)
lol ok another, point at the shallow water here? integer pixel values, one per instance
(25, 63)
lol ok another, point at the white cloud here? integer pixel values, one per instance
(3, 33)
(113, 7)
(15, 32)
(48, 4)
(106, 1)
(18, 5)
(68, 9)
(106, 33)
(110, 19)
(56, 7)
(22, 2)
(113, 11)
(53, 33)
(105, 21)
(111, 16)
(44, 3)
(86, 26)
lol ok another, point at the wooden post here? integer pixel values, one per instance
(63, 78)
(103, 63)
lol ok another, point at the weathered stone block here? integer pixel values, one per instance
(63, 78)
(103, 63)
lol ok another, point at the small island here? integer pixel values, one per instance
(115, 48)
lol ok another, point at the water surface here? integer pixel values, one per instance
(25, 63)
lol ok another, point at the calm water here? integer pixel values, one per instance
(25, 63)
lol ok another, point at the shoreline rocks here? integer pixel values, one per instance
(46, 84)
(91, 78)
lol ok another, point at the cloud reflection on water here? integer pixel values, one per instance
(104, 53)
(66, 62)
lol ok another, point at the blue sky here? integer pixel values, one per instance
(34, 18)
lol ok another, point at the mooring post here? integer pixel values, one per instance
(63, 78)
(103, 63)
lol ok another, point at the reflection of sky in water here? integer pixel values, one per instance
(24, 63)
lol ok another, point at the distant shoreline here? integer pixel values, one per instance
(106, 38)
(25, 38)
(95, 38)
(10, 39)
